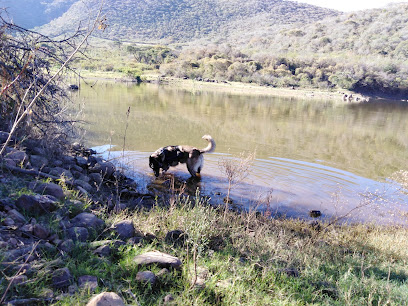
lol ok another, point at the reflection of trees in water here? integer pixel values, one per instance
(369, 141)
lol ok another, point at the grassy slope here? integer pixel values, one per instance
(242, 258)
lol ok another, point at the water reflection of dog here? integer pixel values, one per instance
(171, 156)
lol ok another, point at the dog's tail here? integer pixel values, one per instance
(211, 145)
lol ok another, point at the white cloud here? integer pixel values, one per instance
(351, 5)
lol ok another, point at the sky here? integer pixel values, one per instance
(351, 5)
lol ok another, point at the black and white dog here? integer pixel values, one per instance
(171, 156)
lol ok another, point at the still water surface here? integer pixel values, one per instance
(320, 155)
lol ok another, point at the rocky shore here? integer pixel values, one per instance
(52, 205)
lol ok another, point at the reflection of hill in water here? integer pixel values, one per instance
(282, 186)
(368, 141)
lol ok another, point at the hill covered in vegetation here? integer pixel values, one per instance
(185, 20)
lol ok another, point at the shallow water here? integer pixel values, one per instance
(317, 155)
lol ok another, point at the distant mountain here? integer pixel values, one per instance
(34, 13)
(185, 20)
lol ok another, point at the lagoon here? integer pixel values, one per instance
(310, 154)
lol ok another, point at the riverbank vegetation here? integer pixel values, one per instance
(226, 257)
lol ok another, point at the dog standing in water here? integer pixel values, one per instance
(171, 156)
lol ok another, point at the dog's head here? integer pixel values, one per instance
(155, 163)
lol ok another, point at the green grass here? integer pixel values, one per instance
(246, 259)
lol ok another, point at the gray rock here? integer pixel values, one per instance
(68, 160)
(8, 222)
(106, 169)
(4, 136)
(61, 278)
(16, 253)
(38, 161)
(88, 188)
(88, 282)
(78, 234)
(58, 171)
(28, 228)
(168, 298)
(81, 161)
(125, 229)
(57, 163)
(66, 246)
(17, 217)
(37, 203)
(88, 220)
(40, 231)
(106, 299)
(75, 168)
(18, 157)
(103, 251)
(157, 258)
(16, 280)
(146, 277)
(50, 189)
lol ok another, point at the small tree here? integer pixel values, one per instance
(31, 98)
(236, 170)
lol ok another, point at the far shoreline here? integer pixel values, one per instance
(237, 88)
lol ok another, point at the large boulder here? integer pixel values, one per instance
(124, 229)
(78, 234)
(88, 220)
(50, 189)
(61, 278)
(38, 161)
(106, 299)
(36, 203)
(106, 169)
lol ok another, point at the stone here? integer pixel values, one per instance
(16, 280)
(103, 251)
(88, 282)
(4, 136)
(36, 203)
(40, 231)
(88, 220)
(66, 246)
(168, 298)
(51, 189)
(61, 278)
(176, 237)
(163, 272)
(125, 229)
(27, 228)
(135, 240)
(78, 234)
(106, 169)
(158, 258)
(16, 253)
(18, 157)
(88, 188)
(58, 171)
(81, 161)
(146, 277)
(106, 299)
(38, 161)
(8, 222)
(16, 216)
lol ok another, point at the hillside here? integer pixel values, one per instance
(373, 32)
(33, 13)
(184, 20)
